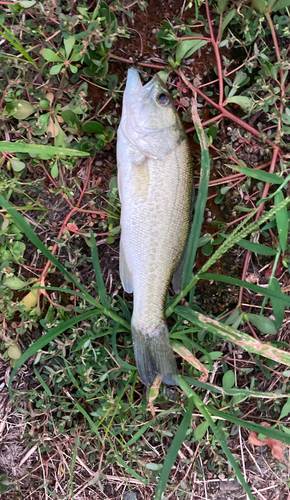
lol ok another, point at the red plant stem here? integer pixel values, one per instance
(224, 112)
(207, 122)
(128, 61)
(215, 44)
(67, 218)
(260, 210)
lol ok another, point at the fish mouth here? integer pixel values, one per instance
(134, 88)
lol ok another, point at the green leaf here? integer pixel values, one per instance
(281, 4)
(228, 379)
(222, 4)
(38, 149)
(153, 466)
(282, 221)
(286, 409)
(14, 283)
(93, 127)
(68, 45)
(54, 170)
(244, 102)
(258, 174)
(227, 20)
(187, 47)
(54, 70)
(173, 450)
(50, 55)
(26, 4)
(265, 325)
(17, 165)
(278, 306)
(201, 430)
(98, 273)
(22, 109)
(256, 247)
(261, 5)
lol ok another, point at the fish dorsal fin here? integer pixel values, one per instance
(125, 273)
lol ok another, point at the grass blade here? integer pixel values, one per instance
(173, 450)
(98, 273)
(251, 426)
(258, 174)
(41, 381)
(228, 333)
(38, 149)
(267, 292)
(282, 221)
(201, 199)
(130, 470)
(234, 391)
(217, 432)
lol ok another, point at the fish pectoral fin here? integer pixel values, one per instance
(125, 273)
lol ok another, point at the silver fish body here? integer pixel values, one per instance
(155, 184)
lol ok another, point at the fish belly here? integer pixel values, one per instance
(156, 198)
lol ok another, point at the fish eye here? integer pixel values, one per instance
(163, 99)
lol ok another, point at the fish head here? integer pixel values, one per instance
(150, 121)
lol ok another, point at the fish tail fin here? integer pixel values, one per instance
(154, 355)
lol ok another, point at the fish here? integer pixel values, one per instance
(155, 182)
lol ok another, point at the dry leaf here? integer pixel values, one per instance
(49, 96)
(190, 358)
(52, 128)
(275, 446)
(153, 393)
(72, 227)
(59, 119)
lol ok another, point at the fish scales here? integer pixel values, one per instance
(155, 183)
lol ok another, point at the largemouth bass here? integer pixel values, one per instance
(155, 181)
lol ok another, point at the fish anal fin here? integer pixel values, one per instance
(125, 273)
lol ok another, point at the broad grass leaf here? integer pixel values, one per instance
(257, 174)
(235, 336)
(265, 325)
(228, 379)
(278, 306)
(256, 247)
(282, 221)
(186, 48)
(251, 286)
(198, 217)
(38, 149)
